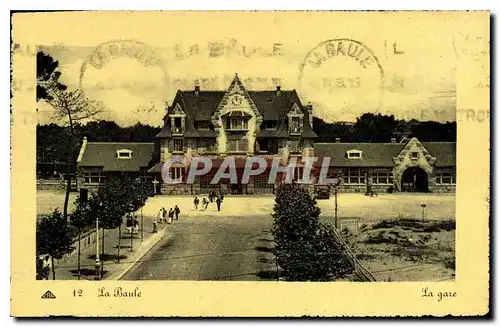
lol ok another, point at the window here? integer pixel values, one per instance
(206, 145)
(177, 122)
(447, 177)
(270, 124)
(93, 177)
(236, 124)
(237, 145)
(176, 173)
(124, 154)
(295, 125)
(354, 154)
(414, 155)
(295, 146)
(178, 145)
(382, 177)
(297, 173)
(354, 176)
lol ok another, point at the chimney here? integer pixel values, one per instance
(278, 90)
(310, 112)
(196, 89)
(337, 140)
(393, 140)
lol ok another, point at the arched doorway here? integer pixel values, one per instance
(414, 179)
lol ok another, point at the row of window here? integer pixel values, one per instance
(238, 145)
(350, 176)
(445, 178)
(207, 144)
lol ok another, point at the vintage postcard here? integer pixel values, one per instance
(250, 164)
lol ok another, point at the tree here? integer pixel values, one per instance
(375, 128)
(305, 248)
(72, 107)
(114, 202)
(296, 218)
(81, 218)
(47, 76)
(53, 238)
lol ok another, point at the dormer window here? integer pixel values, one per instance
(295, 127)
(177, 120)
(124, 154)
(236, 124)
(295, 119)
(354, 154)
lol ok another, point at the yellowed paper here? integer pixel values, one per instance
(427, 66)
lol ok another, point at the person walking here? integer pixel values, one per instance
(177, 211)
(155, 228)
(219, 202)
(163, 218)
(130, 224)
(196, 203)
(136, 225)
(170, 215)
(205, 204)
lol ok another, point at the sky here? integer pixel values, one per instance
(136, 72)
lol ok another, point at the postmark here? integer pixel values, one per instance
(105, 52)
(343, 78)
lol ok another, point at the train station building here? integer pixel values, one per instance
(241, 123)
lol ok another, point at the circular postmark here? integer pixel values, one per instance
(114, 49)
(342, 78)
(126, 85)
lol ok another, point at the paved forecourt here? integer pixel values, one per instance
(384, 206)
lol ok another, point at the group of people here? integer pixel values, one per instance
(173, 212)
(213, 196)
(132, 224)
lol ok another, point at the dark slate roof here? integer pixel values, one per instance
(374, 154)
(206, 133)
(444, 152)
(165, 131)
(202, 106)
(381, 154)
(103, 154)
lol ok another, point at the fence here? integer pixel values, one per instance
(360, 271)
(87, 239)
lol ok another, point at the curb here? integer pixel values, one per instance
(148, 245)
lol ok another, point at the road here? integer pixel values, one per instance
(211, 248)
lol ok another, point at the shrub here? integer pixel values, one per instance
(305, 250)
(449, 262)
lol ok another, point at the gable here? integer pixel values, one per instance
(295, 110)
(177, 111)
(236, 98)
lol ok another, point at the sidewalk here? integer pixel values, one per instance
(67, 270)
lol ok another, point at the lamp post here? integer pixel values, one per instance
(142, 226)
(97, 259)
(335, 187)
(155, 183)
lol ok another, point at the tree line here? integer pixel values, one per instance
(118, 197)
